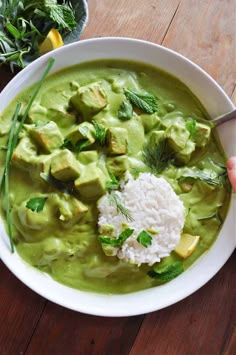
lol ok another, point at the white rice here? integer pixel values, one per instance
(154, 205)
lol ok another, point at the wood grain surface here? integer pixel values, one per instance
(204, 323)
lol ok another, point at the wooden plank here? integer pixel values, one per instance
(196, 325)
(61, 331)
(230, 348)
(148, 20)
(204, 31)
(5, 76)
(20, 310)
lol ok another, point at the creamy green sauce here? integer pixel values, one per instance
(67, 247)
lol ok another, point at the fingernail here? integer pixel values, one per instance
(231, 163)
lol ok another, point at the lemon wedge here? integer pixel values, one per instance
(187, 245)
(52, 41)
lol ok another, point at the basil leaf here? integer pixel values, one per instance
(144, 101)
(125, 111)
(144, 238)
(36, 204)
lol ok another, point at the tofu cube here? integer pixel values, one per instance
(149, 121)
(156, 137)
(117, 140)
(117, 165)
(185, 154)
(24, 152)
(71, 210)
(83, 131)
(87, 157)
(177, 136)
(47, 136)
(89, 99)
(92, 182)
(201, 135)
(64, 166)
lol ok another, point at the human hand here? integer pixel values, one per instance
(231, 169)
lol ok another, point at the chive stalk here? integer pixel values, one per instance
(12, 142)
(6, 173)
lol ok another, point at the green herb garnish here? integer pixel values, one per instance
(144, 238)
(191, 126)
(144, 101)
(5, 178)
(125, 111)
(117, 242)
(206, 175)
(36, 204)
(158, 156)
(25, 24)
(114, 199)
(81, 145)
(168, 272)
(100, 133)
(113, 184)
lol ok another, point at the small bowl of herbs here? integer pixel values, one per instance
(30, 28)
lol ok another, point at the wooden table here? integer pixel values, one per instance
(204, 323)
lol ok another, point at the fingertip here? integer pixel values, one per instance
(231, 168)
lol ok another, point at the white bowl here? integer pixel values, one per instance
(215, 101)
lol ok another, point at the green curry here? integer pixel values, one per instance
(92, 122)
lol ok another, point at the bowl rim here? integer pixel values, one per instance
(115, 301)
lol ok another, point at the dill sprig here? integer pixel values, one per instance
(12, 142)
(114, 199)
(158, 156)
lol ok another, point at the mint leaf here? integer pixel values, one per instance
(36, 204)
(144, 101)
(125, 111)
(168, 272)
(144, 238)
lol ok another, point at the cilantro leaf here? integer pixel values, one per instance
(36, 204)
(100, 133)
(117, 242)
(191, 126)
(125, 111)
(144, 101)
(168, 272)
(113, 184)
(144, 238)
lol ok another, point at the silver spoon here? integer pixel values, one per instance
(224, 118)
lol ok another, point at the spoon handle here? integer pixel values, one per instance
(224, 118)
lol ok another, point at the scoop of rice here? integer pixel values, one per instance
(154, 206)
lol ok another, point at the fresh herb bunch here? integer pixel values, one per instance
(25, 24)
